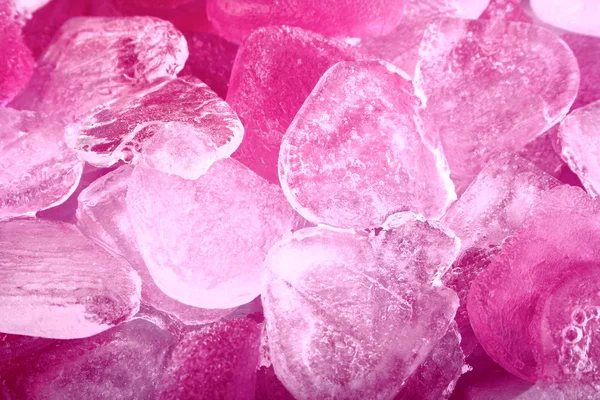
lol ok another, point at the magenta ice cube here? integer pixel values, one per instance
(266, 96)
(359, 140)
(587, 51)
(37, 168)
(93, 60)
(56, 283)
(211, 60)
(178, 126)
(125, 362)
(236, 19)
(534, 309)
(218, 361)
(204, 241)
(341, 323)
(492, 88)
(16, 61)
(102, 216)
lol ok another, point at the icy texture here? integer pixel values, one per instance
(541, 153)
(93, 60)
(235, 19)
(16, 61)
(102, 216)
(587, 51)
(27, 7)
(492, 87)
(580, 16)
(180, 127)
(535, 308)
(401, 46)
(579, 137)
(204, 241)
(506, 10)
(189, 16)
(343, 324)
(37, 169)
(493, 207)
(497, 202)
(56, 283)
(216, 362)
(267, 97)
(437, 375)
(359, 138)
(211, 60)
(488, 381)
(39, 31)
(123, 363)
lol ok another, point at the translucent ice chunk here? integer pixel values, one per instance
(436, 377)
(56, 283)
(492, 88)
(211, 60)
(587, 51)
(216, 362)
(340, 323)
(180, 126)
(535, 309)
(125, 362)
(235, 19)
(102, 216)
(204, 241)
(37, 169)
(267, 96)
(356, 153)
(497, 202)
(579, 137)
(580, 16)
(94, 59)
(16, 61)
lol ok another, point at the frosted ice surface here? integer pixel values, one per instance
(470, 9)
(204, 241)
(580, 16)
(359, 139)
(535, 309)
(16, 61)
(211, 60)
(56, 283)
(342, 324)
(579, 137)
(97, 59)
(179, 126)
(235, 19)
(436, 377)
(401, 46)
(511, 82)
(497, 202)
(218, 361)
(102, 216)
(126, 362)
(37, 169)
(267, 96)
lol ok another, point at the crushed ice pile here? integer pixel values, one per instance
(299, 199)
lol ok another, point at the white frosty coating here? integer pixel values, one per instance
(56, 283)
(182, 137)
(336, 312)
(204, 241)
(28, 7)
(358, 109)
(579, 137)
(580, 16)
(37, 168)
